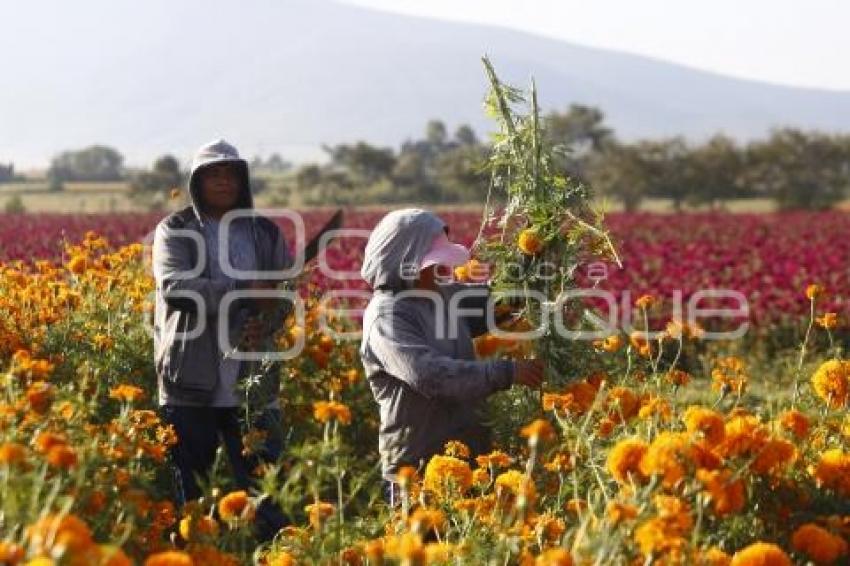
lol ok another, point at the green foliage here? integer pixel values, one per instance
(14, 205)
(94, 163)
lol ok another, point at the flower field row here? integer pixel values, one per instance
(632, 461)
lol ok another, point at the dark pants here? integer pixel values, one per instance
(199, 432)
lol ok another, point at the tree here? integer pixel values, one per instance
(800, 170)
(7, 173)
(149, 187)
(578, 132)
(713, 171)
(94, 163)
(621, 171)
(465, 135)
(435, 133)
(367, 164)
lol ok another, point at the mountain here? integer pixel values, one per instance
(288, 75)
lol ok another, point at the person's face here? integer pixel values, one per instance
(219, 187)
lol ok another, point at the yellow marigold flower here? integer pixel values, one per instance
(654, 406)
(830, 382)
(624, 460)
(617, 512)
(192, 527)
(654, 538)
(728, 495)
(609, 344)
(743, 434)
(11, 553)
(374, 551)
(761, 554)
(818, 544)
(554, 557)
(446, 474)
(235, 505)
(324, 411)
(169, 558)
(457, 449)
(439, 552)
(814, 291)
(795, 422)
(706, 422)
(529, 242)
(515, 484)
(127, 393)
(828, 321)
(538, 430)
(12, 453)
(318, 512)
(774, 453)
(480, 476)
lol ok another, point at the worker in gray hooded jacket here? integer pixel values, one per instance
(197, 375)
(416, 348)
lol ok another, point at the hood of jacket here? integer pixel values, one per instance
(219, 151)
(396, 247)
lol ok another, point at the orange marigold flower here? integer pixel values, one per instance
(706, 422)
(831, 382)
(795, 422)
(617, 512)
(191, 528)
(60, 531)
(44, 441)
(624, 459)
(728, 495)
(668, 456)
(40, 396)
(713, 557)
(61, 456)
(623, 404)
(127, 393)
(235, 505)
(446, 474)
(170, 558)
(560, 463)
(538, 430)
(833, 471)
(774, 453)
(814, 291)
(645, 301)
(554, 557)
(496, 459)
(78, 264)
(828, 321)
(11, 553)
(12, 453)
(324, 411)
(761, 554)
(529, 242)
(678, 377)
(818, 544)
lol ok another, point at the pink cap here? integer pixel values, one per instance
(444, 252)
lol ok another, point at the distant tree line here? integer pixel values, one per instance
(796, 169)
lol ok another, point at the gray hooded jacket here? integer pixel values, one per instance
(428, 385)
(187, 366)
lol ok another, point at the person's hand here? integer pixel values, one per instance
(252, 333)
(529, 373)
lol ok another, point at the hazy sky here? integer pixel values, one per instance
(794, 42)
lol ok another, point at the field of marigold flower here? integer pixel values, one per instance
(637, 458)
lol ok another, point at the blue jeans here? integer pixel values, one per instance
(199, 432)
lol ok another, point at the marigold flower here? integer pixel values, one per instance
(538, 430)
(235, 505)
(774, 453)
(667, 456)
(169, 558)
(324, 411)
(831, 382)
(529, 242)
(818, 544)
(60, 531)
(554, 557)
(61, 456)
(728, 495)
(827, 321)
(457, 449)
(706, 422)
(622, 403)
(12, 453)
(11, 553)
(446, 474)
(515, 484)
(624, 459)
(713, 557)
(425, 519)
(814, 291)
(191, 528)
(645, 301)
(480, 476)
(678, 377)
(127, 393)
(40, 396)
(833, 471)
(496, 459)
(761, 554)
(795, 422)
(406, 547)
(617, 512)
